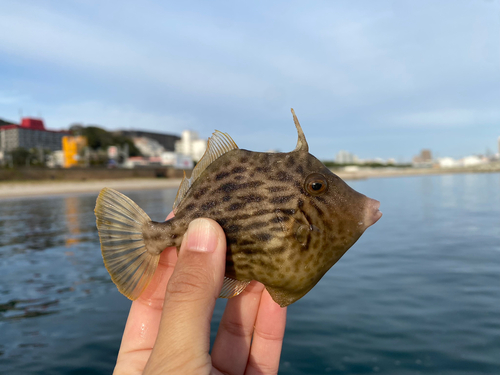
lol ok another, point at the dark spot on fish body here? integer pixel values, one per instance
(251, 184)
(276, 189)
(280, 219)
(256, 225)
(239, 177)
(300, 203)
(264, 169)
(264, 157)
(262, 212)
(246, 243)
(231, 240)
(290, 161)
(299, 170)
(263, 237)
(239, 169)
(226, 198)
(309, 163)
(241, 217)
(320, 199)
(243, 160)
(221, 176)
(251, 198)
(229, 187)
(233, 228)
(249, 250)
(243, 267)
(288, 211)
(236, 206)
(208, 205)
(189, 207)
(222, 222)
(318, 209)
(200, 192)
(281, 199)
(282, 176)
(299, 187)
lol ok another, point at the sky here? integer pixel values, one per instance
(381, 79)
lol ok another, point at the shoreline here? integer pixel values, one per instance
(34, 188)
(25, 189)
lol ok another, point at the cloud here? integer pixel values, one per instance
(351, 70)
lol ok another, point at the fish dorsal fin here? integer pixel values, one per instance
(301, 141)
(218, 144)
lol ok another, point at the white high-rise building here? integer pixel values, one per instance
(190, 144)
(345, 157)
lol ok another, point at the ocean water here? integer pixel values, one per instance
(419, 293)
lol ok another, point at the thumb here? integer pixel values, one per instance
(184, 333)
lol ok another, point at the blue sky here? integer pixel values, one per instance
(377, 78)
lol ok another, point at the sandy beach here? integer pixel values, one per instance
(37, 188)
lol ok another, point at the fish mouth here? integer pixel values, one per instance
(372, 212)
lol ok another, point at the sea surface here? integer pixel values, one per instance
(419, 293)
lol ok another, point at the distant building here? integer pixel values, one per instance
(426, 155)
(148, 147)
(30, 134)
(191, 145)
(473, 160)
(73, 151)
(345, 157)
(166, 140)
(424, 160)
(449, 163)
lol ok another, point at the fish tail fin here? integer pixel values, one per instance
(120, 223)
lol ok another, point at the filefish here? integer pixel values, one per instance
(287, 218)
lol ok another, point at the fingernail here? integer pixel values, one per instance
(201, 236)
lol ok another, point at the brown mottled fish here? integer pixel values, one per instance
(287, 218)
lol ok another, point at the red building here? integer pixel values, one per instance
(30, 134)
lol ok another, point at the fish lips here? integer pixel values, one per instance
(372, 212)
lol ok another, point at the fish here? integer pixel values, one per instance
(287, 219)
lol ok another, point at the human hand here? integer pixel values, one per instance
(168, 328)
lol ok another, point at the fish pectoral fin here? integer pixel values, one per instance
(232, 287)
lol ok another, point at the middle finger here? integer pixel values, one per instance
(232, 344)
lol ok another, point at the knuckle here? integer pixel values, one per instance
(237, 329)
(188, 284)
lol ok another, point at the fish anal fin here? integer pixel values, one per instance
(231, 287)
(218, 144)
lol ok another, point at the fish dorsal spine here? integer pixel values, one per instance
(301, 141)
(218, 144)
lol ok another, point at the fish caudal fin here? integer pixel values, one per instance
(120, 223)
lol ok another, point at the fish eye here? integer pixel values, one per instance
(316, 184)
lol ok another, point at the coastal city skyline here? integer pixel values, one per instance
(31, 133)
(378, 79)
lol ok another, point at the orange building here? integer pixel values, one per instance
(73, 148)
